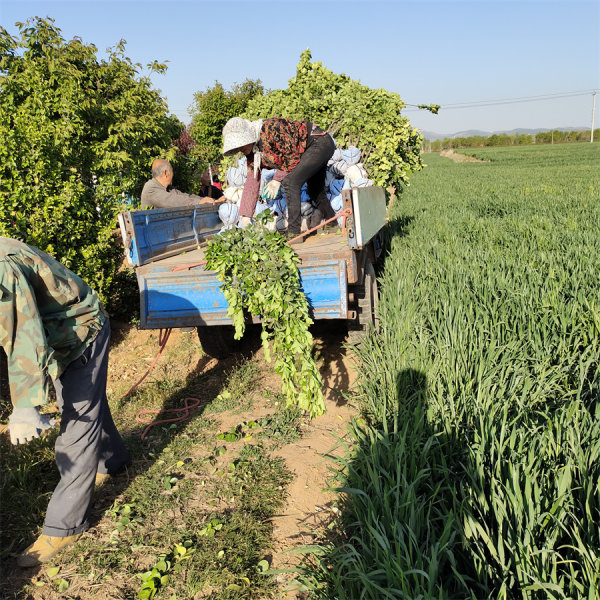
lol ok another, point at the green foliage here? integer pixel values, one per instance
(476, 473)
(125, 517)
(353, 113)
(212, 109)
(282, 427)
(157, 577)
(78, 136)
(432, 108)
(259, 271)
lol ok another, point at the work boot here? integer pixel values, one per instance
(289, 236)
(43, 549)
(101, 479)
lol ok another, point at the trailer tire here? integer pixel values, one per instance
(217, 341)
(367, 299)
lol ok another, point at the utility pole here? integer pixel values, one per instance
(593, 113)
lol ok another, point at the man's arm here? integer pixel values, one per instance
(159, 197)
(23, 339)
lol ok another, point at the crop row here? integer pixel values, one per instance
(477, 471)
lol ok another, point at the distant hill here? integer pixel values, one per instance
(431, 135)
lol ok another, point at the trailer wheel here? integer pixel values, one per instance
(365, 305)
(217, 341)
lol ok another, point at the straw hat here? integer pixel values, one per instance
(237, 133)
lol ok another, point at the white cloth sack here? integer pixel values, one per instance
(236, 176)
(351, 155)
(339, 168)
(356, 172)
(306, 208)
(337, 156)
(229, 214)
(233, 194)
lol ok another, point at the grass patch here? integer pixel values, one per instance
(282, 427)
(238, 388)
(184, 489)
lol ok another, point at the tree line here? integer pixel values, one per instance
(504, 139)
(80, 132)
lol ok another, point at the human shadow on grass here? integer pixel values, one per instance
(399, 226)
(398, 527)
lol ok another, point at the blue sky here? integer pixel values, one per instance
(446, 52)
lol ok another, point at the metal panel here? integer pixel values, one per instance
(369, 209)
(181, 299)
(193, 297)
(326, 289)
(150, 235)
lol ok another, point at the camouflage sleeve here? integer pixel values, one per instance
(23, 339)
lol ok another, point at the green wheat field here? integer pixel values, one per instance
(474, 472)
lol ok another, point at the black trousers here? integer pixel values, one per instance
(310, 170)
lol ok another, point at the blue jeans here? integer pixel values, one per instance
(88, 442)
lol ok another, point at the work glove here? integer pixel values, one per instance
(25, 424)
(272, 189)
(244, 222)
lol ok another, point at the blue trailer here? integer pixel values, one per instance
(166, 248)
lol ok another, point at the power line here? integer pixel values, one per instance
(517, 100)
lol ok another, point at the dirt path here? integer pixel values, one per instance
(309, 506)
(459, 158)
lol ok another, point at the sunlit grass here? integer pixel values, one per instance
(182, 478)
(477, 474)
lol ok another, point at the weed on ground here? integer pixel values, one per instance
(190, 518)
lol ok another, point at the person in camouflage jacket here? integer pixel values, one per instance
(53, 328)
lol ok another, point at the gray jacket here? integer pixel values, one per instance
(156, 196)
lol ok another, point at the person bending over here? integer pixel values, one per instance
(298, 150)
(53, 328)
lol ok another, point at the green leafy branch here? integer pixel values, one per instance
(354, 114)
(259, 271)
(158, 576)
(433, 108)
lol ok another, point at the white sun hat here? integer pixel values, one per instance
(239, 132)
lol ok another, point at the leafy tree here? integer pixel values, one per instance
(523, 140)
(212, 109)
(78, 136)
(354, 113)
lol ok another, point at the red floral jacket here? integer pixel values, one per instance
(282, 143)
